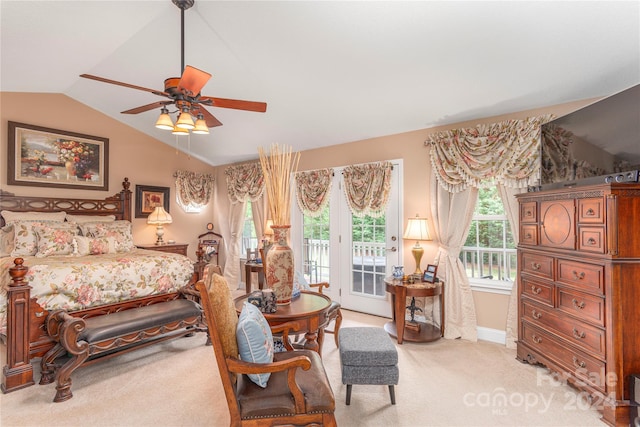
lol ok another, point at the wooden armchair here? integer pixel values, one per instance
(298, 391)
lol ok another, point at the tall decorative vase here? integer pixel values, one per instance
(279, 265)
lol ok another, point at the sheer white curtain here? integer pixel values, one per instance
(452, 214)
(511, 209)
(244, 182)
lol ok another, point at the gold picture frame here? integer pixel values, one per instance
(45, 157)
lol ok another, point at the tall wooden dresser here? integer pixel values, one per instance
(579, 289)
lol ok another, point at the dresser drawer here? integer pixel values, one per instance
(591, 239)
(587, 337)
(538, 265)
(586, 368)
(584, 306)
(580, 275)
(529, 234)
(591, 211)
(537, 291)
(528, 212)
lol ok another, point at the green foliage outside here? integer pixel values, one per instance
(365, 229)
(489, 232)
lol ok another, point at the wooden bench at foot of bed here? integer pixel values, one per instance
(100, 337)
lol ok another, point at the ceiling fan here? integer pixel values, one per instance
(184, 92)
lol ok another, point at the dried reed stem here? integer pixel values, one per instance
(277, 168)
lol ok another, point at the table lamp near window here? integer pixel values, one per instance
(417, 230)
(159, 217)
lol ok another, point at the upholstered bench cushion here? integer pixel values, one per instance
(367, 347)
(113, 325)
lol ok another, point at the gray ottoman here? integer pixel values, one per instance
(368, 356)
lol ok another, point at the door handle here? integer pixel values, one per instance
(392, 249)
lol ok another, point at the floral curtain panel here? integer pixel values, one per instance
(313, 189)
(507, 152)
(367, 188)
(193, 190)
(244, 182)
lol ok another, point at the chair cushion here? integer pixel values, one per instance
(226, 316)
(255, 340)
(275, 399)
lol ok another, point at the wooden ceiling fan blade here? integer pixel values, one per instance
(147, 107)
(208, 117)
(193, 80)
(130, 86)
(236, 104)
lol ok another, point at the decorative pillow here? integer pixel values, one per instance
(94, 245)
(54, 238)
(81, 219)
(7, 240)
(119, 230)
(10, 216)
(255, 341)
(26, 240)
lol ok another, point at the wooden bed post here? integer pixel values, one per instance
(18, 372)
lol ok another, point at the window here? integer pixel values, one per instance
(489, 254)
(249, 236)
(315, 247)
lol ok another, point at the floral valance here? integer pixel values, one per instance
(367, 188)
(244, 182)
(507, 152)
(193, 190)
(313, 189)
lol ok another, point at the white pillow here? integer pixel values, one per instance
(81, 219)
(10, 216)
(94, 245)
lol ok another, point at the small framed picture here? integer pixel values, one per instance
(430, 273)
(148, 197)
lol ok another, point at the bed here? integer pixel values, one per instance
(100, 274)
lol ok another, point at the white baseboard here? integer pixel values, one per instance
(492, 335)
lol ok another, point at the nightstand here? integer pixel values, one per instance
(175, 248)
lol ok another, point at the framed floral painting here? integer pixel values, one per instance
(44, 157)
(148, 197)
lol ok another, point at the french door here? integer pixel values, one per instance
(353, 254)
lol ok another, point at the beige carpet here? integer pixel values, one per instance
(445, 383)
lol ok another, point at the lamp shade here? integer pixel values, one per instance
(268, 231)
(185, 121)
(164, 120)
(180, 131)
(417, 229)
(201, 126)
(159, 216)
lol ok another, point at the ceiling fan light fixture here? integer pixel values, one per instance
(201, 126)
(164, 121)
(185, 121)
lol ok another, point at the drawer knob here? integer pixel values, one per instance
(535, 266)
(578, 305)
(536, 314)
(591, 241)
(578, 364)
(528, 213)
(590, 212)
(536, 339)
(578, 334)
(535, 290)
(577, 276)
(528, 236)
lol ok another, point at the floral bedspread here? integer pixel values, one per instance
(75, 283)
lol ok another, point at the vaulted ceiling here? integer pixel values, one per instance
(330, 72)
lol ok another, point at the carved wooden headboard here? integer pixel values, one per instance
(118, 204)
